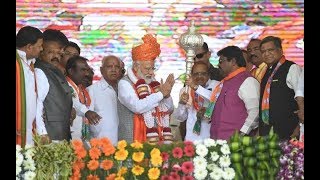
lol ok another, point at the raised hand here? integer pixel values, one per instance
(189, 82)
(165, 88)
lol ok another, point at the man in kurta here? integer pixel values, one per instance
(255, 57)
(29, 44)
(234, 103)
(147, 104)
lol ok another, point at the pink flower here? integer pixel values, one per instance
(174, 176)
(189, 150)
(187, 178)
(165, 156)
(176, 167)
(165, 177)
(187, 143)
(187, 167)
(177, 152)
(165, 166)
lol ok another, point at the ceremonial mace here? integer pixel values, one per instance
(190, 41)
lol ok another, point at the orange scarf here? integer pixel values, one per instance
(216, 92)
(266, 93)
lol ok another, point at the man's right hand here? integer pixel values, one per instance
(165, 88)
(184, 98)
(93, 117)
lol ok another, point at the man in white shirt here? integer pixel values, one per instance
(29, 44)
(104, 100)
(278, 88)
(147, 103)
(78, 70)
(192, 106)
(234, 103)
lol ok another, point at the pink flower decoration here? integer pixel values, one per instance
(187, 167)
(165, 177)
(187, 143)
(187, 178)
(174, 176)
(189, 150)
(165, 156)
(176, 167)
(177, 152)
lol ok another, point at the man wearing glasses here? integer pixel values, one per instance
(203, 54)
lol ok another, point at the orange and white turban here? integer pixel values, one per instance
(148, 51)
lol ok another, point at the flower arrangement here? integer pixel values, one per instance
(291, 160)
(25, 165)
(177, 159)
(212, 160)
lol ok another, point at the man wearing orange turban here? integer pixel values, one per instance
(145, 104)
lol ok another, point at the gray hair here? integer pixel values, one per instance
(105, 58)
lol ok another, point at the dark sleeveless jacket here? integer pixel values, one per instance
(282, 103)
(58, 102)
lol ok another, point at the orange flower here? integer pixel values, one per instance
(76, 174)
(156, 160)
(81, 153)
(111, 176)
(94, 142)
(93, 165)
(122, 144)
(138, 156)
(121, 155)
(108, 150)
(105, 141)
(155, 152)
(94, 153)
(77, 144)
(137, 170)
(106, 164)
(153, 173)
(122, 171)
(137, 145)
(78, 164)
(93, 177)
(74, 177)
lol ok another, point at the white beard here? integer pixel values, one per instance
(147, 79)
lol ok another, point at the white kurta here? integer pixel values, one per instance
(31, 99)
(104, 102)
(81, 109)
(188, 112)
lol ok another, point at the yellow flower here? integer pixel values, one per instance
(153, 173)
(137, 145)
(121, 155)
(138, 156)
(155, 152)
(119, 178)
(122, 171)
(156, 160)
(137, 170)
(122, 144)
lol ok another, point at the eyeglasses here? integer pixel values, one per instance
(200, 55)
(199, 74)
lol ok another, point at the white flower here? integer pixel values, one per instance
(200, 162)
(216, 173)
(225, 149)
(224, 161)
(27, 146)
(221, 142)
(18, 170)
(229, 173)
(19, 159)
(29, 175)
(29, 165)
(214, 156)
(209, 142)
(201, 150)
(200, 173)
(196, 142)
(18, 148)
(211, 166)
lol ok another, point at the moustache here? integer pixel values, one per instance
(253, 56)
